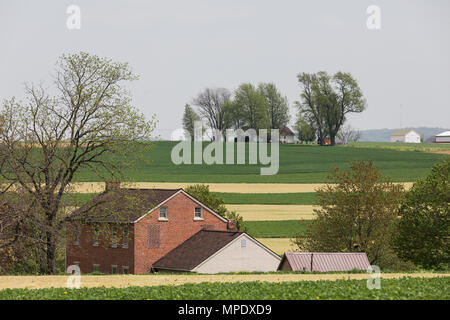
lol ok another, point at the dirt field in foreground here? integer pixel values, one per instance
(94, 187)
(119, 281)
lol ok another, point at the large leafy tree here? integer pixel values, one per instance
(201, 193)
(327, 100)
(89, 123)
(277, 105)
(357, 211)
(250, 106)
(423, 232)
(305, 131)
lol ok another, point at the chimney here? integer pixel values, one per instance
(112, 185)
(231, 225)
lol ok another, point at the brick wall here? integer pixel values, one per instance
(86, 254)
(179, 227)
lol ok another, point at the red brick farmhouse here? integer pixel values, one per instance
(128, 230)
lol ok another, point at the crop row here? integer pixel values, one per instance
(404, 288)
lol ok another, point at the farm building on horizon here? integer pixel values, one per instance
(408, 136)
(443, 137)
(324, 261)
(286, 135)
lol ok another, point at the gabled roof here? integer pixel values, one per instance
(444, 134)
(195, 250)
(122, 205)
(326, 261)
(402, 132)
(285, 131)
(128, 205)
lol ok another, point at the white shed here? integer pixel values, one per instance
(443, 137)
(409, 136)
(212, 251)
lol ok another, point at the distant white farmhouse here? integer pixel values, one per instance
(286, 135)
(443, 137)
(409, 136)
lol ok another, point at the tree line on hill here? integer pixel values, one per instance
(325, 102)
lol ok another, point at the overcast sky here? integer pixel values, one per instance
(180, 47)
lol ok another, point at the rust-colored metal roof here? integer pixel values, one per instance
(326, 261)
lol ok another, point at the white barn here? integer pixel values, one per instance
(212, 251)
(409, 136)
(443, 137)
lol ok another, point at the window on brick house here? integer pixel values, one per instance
(114, 237)
(125, 270)
(163, 213)
(125, 237)
(153, 237)
(95, 235)
(76, 234)
(114, 269)
(198, 213)
(95, 268)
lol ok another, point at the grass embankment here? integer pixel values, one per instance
(271, 198)
(276, 229)
(307, 198)
(403, 288)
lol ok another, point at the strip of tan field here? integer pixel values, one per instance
(278, 245)
(273, 212)
(95, 187)
(121, 281)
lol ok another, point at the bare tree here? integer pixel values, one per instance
(347, 134)
(210, 103)
(89, 124)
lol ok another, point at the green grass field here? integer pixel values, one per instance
(267, 198)
(298, 164)
(425, 147)
(229, 198)
(276, 229)
(404, 288)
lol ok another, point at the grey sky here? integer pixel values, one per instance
(181, 47)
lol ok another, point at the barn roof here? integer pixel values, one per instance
(402, 132)
(121, 205)
(195, 250)
(444, 134)
(285, 131)
(326, 261)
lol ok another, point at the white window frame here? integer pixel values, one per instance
(125, 234)
(243, 243)
(200, 218)
(125, 268)
(159, 214)
(114, 237)
(76, 232)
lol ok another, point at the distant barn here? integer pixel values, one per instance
(286, 135)
(409, 136)
(324, 261)
(443, 137)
